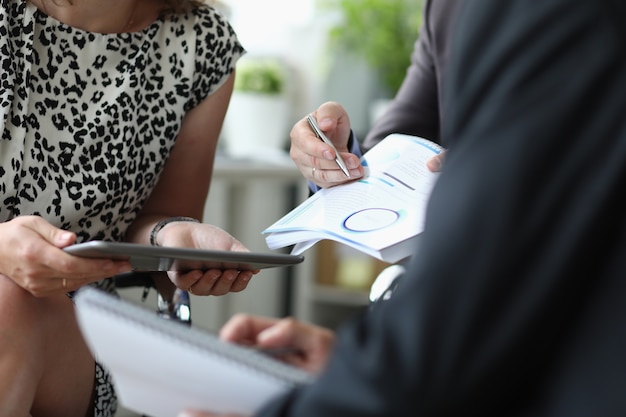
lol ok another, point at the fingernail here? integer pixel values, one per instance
(268, 333)
(436, 163)
(352, 164)
(325, 121)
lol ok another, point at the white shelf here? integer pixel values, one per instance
(336, 295)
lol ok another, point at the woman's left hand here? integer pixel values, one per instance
(205, 236)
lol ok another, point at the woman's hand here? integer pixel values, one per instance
(31, 256)
(205, 236)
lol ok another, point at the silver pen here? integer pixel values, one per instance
(322, 136)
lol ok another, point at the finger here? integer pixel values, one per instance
(197, 413)
(224, 284)
(50, 286)
(244, 328)
(58, 237)
(324, 177)
(69, 285)
(307, 149)
(333, 175)
(335, 123)
(74, 284)
(237, 246)
(83, 270)
(329, 111)
(199, 283)
(305, 142)
(242, 281)
(435, 164)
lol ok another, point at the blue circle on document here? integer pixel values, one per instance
(368, 220)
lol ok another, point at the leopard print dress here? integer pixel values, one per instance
(88, 120)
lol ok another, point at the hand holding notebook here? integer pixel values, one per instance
(159, 367)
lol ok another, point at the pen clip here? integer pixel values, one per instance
(324, 138)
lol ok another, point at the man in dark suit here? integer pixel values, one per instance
(514, 304)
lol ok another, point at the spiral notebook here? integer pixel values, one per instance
(159, 367)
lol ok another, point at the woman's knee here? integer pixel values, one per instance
(32, 322)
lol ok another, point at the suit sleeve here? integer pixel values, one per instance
(417, 107)
(414, 110)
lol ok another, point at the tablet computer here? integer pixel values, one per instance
(149, 258)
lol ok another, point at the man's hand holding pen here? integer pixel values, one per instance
(320, 134)
(321, 161)
(320, 148)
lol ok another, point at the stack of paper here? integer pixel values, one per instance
(381, 214)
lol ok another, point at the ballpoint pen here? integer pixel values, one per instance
(322, 136)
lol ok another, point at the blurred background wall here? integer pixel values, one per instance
(296, 31)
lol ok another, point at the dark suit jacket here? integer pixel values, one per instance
(515, 303)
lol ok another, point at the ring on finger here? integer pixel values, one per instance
(64, 283)
(313, 171)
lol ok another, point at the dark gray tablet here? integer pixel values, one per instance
(158, 258)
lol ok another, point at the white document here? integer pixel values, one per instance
(381, 214)
(159, 367)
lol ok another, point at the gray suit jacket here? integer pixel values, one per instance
(417, 107)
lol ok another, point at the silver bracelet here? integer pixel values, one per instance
(161, 224)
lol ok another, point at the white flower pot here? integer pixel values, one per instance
(256, 125)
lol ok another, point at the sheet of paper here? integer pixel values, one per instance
(384, 208)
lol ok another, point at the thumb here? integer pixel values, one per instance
(58, 237)
(435, 164)
(62, 238)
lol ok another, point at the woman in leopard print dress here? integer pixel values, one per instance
(110, 115)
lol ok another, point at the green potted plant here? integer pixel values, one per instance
(260, 76)
(381, 32)
(256, 123)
